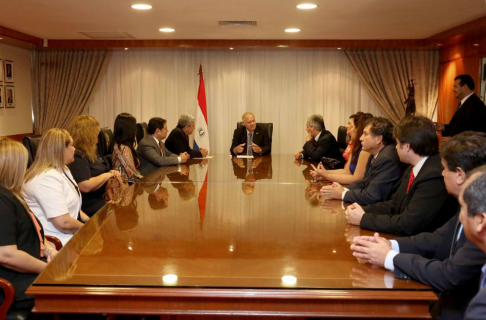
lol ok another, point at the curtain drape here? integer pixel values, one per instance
(385, 74)
(64, 83)
(283, 87)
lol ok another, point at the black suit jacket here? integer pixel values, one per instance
(381, 179)
(177, 143)
(477, 307)
(260, 138)
(326, 146)
(419, 210)
(470, 117)
(439, 260)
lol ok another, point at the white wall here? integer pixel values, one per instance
(283, 87)
(17, 120)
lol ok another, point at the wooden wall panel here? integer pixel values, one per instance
(459, 59)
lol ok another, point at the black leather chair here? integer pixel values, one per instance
(31, 143)
(269, 127)
(141, 130)
(342, 139)
(105, 142)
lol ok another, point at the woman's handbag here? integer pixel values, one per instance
(115, 187)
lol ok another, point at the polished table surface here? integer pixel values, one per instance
(227, 228)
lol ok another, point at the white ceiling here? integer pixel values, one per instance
(198, 19)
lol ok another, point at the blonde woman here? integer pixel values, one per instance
(49, 188)
(89, 170)
(23, 249)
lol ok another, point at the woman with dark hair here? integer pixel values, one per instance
(357, 159)
(124, 156)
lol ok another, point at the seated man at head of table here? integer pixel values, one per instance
(152, 151)
(251, 138)
(178, 140)
(320, 143)
(443, 259)
(383, 170)
(416, 205)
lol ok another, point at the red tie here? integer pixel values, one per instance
(160, 148)
(411, 180)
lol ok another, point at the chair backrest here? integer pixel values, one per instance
(342, 139)
(55, 241)
(268, 125)
(31, 143)
(9, 291)
(141, 130)
(106, 142)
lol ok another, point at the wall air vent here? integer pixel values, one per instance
(105, 35)
(237, 23)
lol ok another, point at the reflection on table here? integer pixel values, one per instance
(195, 223)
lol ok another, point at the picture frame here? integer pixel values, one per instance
(1, 71)
(9, 96)
(2, 97)
(9, 71)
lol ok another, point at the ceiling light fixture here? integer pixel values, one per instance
(166, 30)
(126, 49)
(306, 6)
(282, 46)
(292, 30)
(231, 48)
(141, 6)
(476, 44)
(339, 48)
(439, 44)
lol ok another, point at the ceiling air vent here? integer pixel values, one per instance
(237, 23)
(107, 35)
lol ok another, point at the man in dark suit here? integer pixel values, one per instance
(473, 218)
(415, 206)
(443, 259)
(471, 111)
(178, 140)
(152, 151)
(320, 143)
(251, 138)
(383, 170)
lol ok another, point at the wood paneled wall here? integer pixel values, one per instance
(463, 58)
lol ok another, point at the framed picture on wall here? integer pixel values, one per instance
(2, 97)
(10, 96)
(1, 71)
(9, 71)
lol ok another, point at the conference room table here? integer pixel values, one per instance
(224, 236)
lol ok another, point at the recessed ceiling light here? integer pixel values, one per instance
(141, 6)
(1, 38)
(476, 44)
(339, 48)
(307, 6)
(439, 44)
(231, 48)
(292, 30)
(166, 30)
(126, 49)
(282, 46)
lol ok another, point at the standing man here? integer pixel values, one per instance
(320, 143)
(383, 170)
(443, 259)
(178, 140)
(415, 206)
(152, 151)
(471, 111)
(250, 139)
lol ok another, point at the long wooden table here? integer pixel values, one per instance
(232, 231)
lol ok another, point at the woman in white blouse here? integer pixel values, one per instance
(49, 188)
